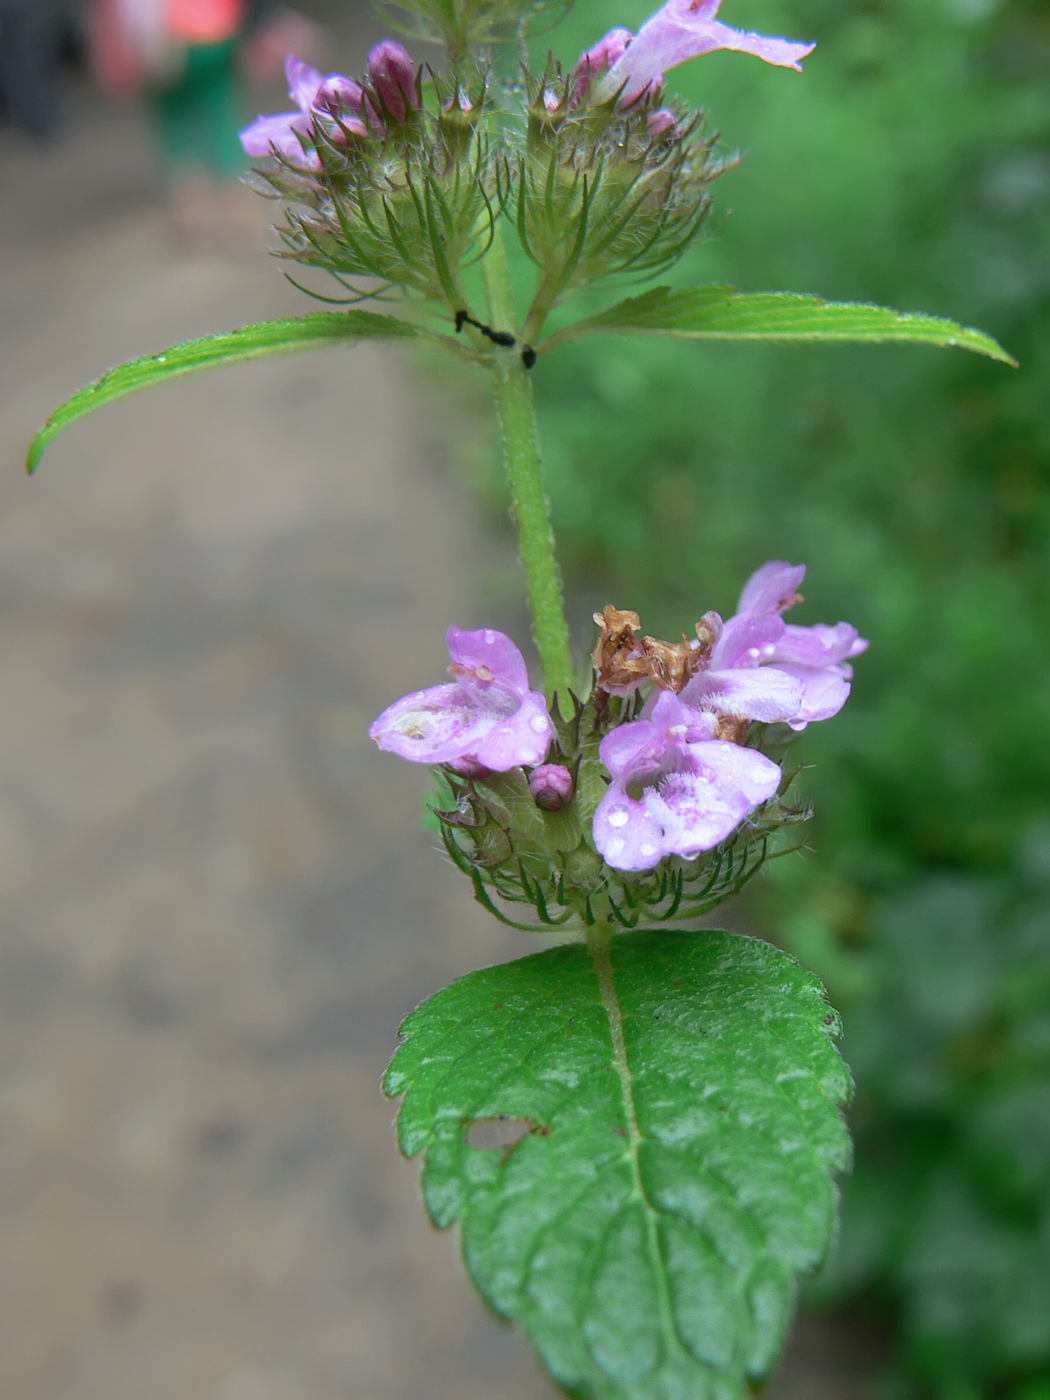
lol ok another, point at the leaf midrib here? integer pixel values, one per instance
(599, 946)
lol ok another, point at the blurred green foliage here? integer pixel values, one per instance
(910, 165)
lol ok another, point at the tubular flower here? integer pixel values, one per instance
(676, 789)
(486, 718)
(762, 668)
(594, 61)
(288, 133)
(680, 30)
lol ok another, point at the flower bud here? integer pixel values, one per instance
(551, 786)
(393, 75)
(660, 123)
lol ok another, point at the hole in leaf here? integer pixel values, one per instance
(496, 1134)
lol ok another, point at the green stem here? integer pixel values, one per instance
(512, 388)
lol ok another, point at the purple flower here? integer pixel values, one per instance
(680, 30)
(393, 75)
(317, 97)
(551, 785)
(486, 718)
(676, 790)
(762, 668)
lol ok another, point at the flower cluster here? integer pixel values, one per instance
(663, 762)
(681, 782)
(376, 183)
(401, 176)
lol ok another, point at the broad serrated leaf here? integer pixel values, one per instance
(231, 347)
(722, 313)
(678, 1096)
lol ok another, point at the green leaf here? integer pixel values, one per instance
(722, 313)
(676, 1098)
(231, 347)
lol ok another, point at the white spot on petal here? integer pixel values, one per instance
(754, 653)
(539, 724)
(648, 849)
(618, 817)
(490, 636)
(615, 848)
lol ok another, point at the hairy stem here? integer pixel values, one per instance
(512, 388)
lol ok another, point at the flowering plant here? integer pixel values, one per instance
(668, 1096)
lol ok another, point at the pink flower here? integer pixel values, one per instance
(762, 668)
(318, 98)
(676, 790)
(485, 718)
(680, 30)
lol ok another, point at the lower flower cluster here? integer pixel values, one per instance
(661, 792)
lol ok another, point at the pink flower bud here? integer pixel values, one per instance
(594, 61)
(660, 122)
(393, 76)
(551, 786)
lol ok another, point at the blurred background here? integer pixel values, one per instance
(209, 592)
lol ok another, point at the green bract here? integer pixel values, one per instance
(678, 1097)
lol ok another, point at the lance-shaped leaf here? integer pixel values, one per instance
(231, 347)
(675, 1103)
(723, 313)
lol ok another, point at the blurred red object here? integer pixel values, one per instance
(132, 41)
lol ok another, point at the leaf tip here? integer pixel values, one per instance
(33, 456)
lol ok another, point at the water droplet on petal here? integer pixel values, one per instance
(618, 817)
(490, 636)
(615, 848)
(539, 724)
(648, 849)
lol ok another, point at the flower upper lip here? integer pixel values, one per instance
(678, 31)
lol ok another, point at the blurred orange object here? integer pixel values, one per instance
(204, 21)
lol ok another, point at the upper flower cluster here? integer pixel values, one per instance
(402, 177)
(676, 779)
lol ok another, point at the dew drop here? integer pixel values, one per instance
(618, 817)
(539, 724)
(648, 849)
(490, 636)
(615, 848)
